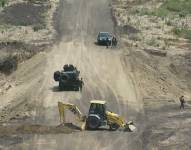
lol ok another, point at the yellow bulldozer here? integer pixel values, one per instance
(97, 117)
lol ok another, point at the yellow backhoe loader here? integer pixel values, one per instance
(97, 117)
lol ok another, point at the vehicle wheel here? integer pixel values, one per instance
(76, 89)
(57, 75)
(93, 122)
(114, 126)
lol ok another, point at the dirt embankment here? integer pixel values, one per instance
(26, 28)
(159, 56)
(160, 61)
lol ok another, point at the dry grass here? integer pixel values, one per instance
(183, 32)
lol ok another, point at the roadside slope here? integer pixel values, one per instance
(159, 52)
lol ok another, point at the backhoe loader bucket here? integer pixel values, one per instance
(129, 126)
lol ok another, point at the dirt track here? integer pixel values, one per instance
(105, 74)
(119, 76)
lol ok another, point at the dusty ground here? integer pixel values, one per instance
(35, 99)
(162, 71)
(137, 83)
(26, 28)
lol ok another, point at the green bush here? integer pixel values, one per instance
(2, 3)
(161, 12)
(179, 7)
(152, 42)
(183, 32)
(38, 27)
(8, 64)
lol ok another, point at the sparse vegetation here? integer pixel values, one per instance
(175, 13)
(38, 27)
(2, 3)
(135, 37)
(176, 7)
(17, 18)
(169, 23)
(183, 32)
(33, 14)
(159, 12)
(153, 42)
(179, 6)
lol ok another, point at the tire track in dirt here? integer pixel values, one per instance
(104, 78)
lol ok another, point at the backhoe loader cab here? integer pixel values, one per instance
(97, 114)
(98, 108)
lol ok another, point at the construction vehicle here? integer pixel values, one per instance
(68, 78)
(97, 117)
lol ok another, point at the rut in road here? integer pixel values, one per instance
(100, 68)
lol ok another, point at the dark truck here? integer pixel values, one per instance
(68, 78)
(104, 38)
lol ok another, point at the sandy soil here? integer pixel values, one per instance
(22, 35)
(105, 74)
(162, 72)
(135, 83)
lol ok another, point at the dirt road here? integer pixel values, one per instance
(105, 74)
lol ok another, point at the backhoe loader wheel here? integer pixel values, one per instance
(93, 122)
(114, 127)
